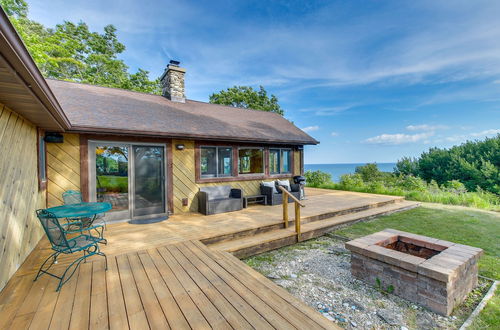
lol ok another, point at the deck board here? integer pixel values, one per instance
(178, 286)
(161, 275)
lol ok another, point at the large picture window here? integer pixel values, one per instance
(216, 162)
(279, 161)
(251, 160)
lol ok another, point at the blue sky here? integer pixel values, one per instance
(372, 80)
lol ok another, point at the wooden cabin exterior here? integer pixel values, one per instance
(68, 168)
(49, 132)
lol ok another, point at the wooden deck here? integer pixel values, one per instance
(161, 276)
(124, 237)
(177, 286)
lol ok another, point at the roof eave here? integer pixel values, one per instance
(27, 73)
(95, 130)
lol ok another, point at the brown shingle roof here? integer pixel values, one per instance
(101, 109)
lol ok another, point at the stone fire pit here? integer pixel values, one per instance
(434, 273)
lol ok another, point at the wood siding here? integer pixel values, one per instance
(63, 168)
(19, 192)
(184, 178)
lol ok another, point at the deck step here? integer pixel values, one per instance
(227, 237)
(252, 245)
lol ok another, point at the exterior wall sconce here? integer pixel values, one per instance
(179, 146)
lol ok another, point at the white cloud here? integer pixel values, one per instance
(334, 134)
(487, 132)
(328, 111)
(474, 135)
(398, 138)
(425, 127)
(310, 128)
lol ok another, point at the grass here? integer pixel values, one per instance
(465, 226)
(489, 317)
(113, 183)
(480, 200)
(457, 224)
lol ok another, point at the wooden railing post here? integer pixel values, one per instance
(297, 220)
(285, 209)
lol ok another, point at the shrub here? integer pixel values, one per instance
(474, 163)
(317, 178)
(369, 172)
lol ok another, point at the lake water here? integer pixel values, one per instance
(336, 170)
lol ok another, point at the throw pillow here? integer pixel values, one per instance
(270, 184)
(284, 183)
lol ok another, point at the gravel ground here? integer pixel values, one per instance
(318, 272)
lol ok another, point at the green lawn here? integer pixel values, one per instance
(457, 224)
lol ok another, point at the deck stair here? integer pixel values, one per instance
(245, 244)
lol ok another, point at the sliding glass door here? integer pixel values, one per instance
(129, 176)
(149, 180)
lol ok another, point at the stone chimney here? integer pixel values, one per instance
(172, 82)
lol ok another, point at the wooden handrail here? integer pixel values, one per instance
(298, 205)
(283, 190)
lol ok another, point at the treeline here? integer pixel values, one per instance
(70, 51)
(474, 163)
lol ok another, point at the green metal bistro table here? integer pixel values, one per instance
(80, 210)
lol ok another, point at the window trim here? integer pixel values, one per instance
(217, 176)
(263, 162)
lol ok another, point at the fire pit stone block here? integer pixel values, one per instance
(434, 273)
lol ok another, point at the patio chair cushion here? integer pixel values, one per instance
(217, 192)
(271, 184)
(284, 183)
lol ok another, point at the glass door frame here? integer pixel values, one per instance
(126, 214)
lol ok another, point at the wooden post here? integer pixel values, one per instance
(285, 209)
(297, 220)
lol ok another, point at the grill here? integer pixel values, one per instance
(301, 180)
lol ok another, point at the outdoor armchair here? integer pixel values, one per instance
(82, 241)
(274, 195)
(219, 199)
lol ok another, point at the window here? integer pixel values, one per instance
(274, 161)
(286, 160)
(279, 161)
(216, 162)
(251, 161)
(42, 165)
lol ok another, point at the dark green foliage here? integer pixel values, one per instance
(369, 172)
(317, 178)
(413, 188)
(70, 51)
(474, 163)
(16, 8)
(248, 98)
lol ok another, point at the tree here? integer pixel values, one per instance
(70, 51)
(16, 8)
(474, 163)
(248, 98)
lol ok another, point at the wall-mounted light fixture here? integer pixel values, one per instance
(179, 146)
(53, 137)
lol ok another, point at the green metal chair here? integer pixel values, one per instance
(75, 197)
(61, 244)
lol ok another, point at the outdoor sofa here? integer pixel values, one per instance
(274, 195)
(219, 199)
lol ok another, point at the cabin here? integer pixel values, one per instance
(148, 155)
(152, 157)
